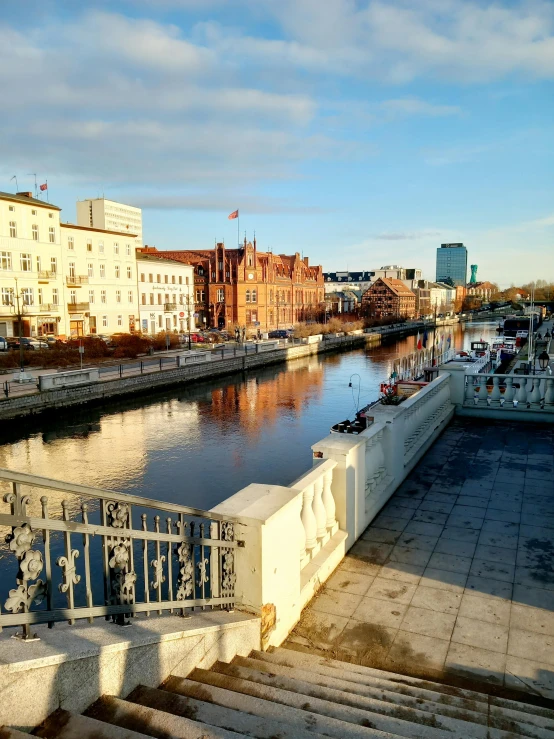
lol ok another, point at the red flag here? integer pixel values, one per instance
(43, 187)
(419, 344)
(234, 214)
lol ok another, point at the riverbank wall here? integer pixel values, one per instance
(104, 390)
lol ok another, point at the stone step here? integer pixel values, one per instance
(502, 709)
(302, 718)
(125, 715)
(428, 702)
(66, 725)
(336, 705)
(215, 715)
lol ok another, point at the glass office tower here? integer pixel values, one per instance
(452, 262)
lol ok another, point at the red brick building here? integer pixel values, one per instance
(246, 287)
(389, 298)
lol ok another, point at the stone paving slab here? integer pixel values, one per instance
(456, 574)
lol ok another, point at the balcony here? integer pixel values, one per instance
(48, 307)
(78, 307)
(169, 307)
(46, 275)
(76, 280)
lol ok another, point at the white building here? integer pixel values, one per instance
(31, 266)
(100, 277)
(442, 296)
(166, 299)
(111, 216)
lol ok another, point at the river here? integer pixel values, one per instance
(198, 445)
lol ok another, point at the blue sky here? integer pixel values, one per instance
(358, 132)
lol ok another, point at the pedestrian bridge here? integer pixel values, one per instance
(421, 546)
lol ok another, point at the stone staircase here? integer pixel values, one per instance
(286, 694)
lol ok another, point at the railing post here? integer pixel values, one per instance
(160, 364)
(495, 394)
(521, 395)
(535, 396)
(328, 500)
(510, 392)
(470, 389)
(120, 370)
(141, 366)
(483, 394)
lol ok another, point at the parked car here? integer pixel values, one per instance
(281, 333)
(197, 339)
(29, 344)
(3, 344)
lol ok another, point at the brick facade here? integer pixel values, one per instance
(388, 298)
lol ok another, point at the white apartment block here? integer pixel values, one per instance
(71, 280)
(100, 280)
(166, 299)
(31, 267)
(111, 216)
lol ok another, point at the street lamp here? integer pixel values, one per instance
(543, 360)
(18, 308)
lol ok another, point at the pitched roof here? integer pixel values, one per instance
(347, 276)
(397, 286)
(22, 198)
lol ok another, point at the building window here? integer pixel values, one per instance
(50, 215)
(118, 296)
(254, 296)
(12, 209)
(101, 247)
(180, 280)
(158, 278)
(105, 321)
(130, 296)
(160, 298)
(38, 264)
(89, 245)
(55, 296)
(115, 248)
(90, 269)
(34, 231)
(25, 262)
(5, 260)
(120, 320)
(166, 279)
(248, 296)
(70, 239)
(128, 250)
(73, 296)
(220, 266)
(117, 271)
(151, 298)
(13, 229)
(102, 296)
(71, 267)
(200, 296)
(150, 277)
(173, 279)
(220, 295)
(143, 298)
(102, 270)
(160, 322)
(250, 260)
(142, 277)
(39, 295)
(7, 296)
(27, 295)
(129, 273)
(91, 296)
(33, 212)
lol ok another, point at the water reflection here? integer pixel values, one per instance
(199, 445)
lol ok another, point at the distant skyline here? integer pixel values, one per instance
(359, 132)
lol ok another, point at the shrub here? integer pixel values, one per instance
(130, 345)
(160, 341)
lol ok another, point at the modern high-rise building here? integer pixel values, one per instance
(111, 216)
(452, 263)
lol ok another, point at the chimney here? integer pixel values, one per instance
(307, 261)
(25, 194)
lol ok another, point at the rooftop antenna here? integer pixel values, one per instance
(34, 174)
(16, 185)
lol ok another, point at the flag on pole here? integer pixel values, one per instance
(425, 337)
(233, 215)
(418, 343)
(449, 340)
(43, 187)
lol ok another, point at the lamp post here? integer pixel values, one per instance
(18, 307)
(543, 360)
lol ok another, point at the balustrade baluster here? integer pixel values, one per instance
(510, 392)
(157, 563)
(67, 562)
(308, 519)
(169, 564)
(521, 395)
(470, 389)
(328, 500)
(86, 553)
(535, 397)
(549, 392)
(495, 393)
(483, 394)
(215, 572)
(106, 544)
(319, 509)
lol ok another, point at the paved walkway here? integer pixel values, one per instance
(456, 573)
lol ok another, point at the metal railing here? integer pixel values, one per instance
(168, 307)
(47, 307)
(45, 274)
(76, 280)
(82, 552)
